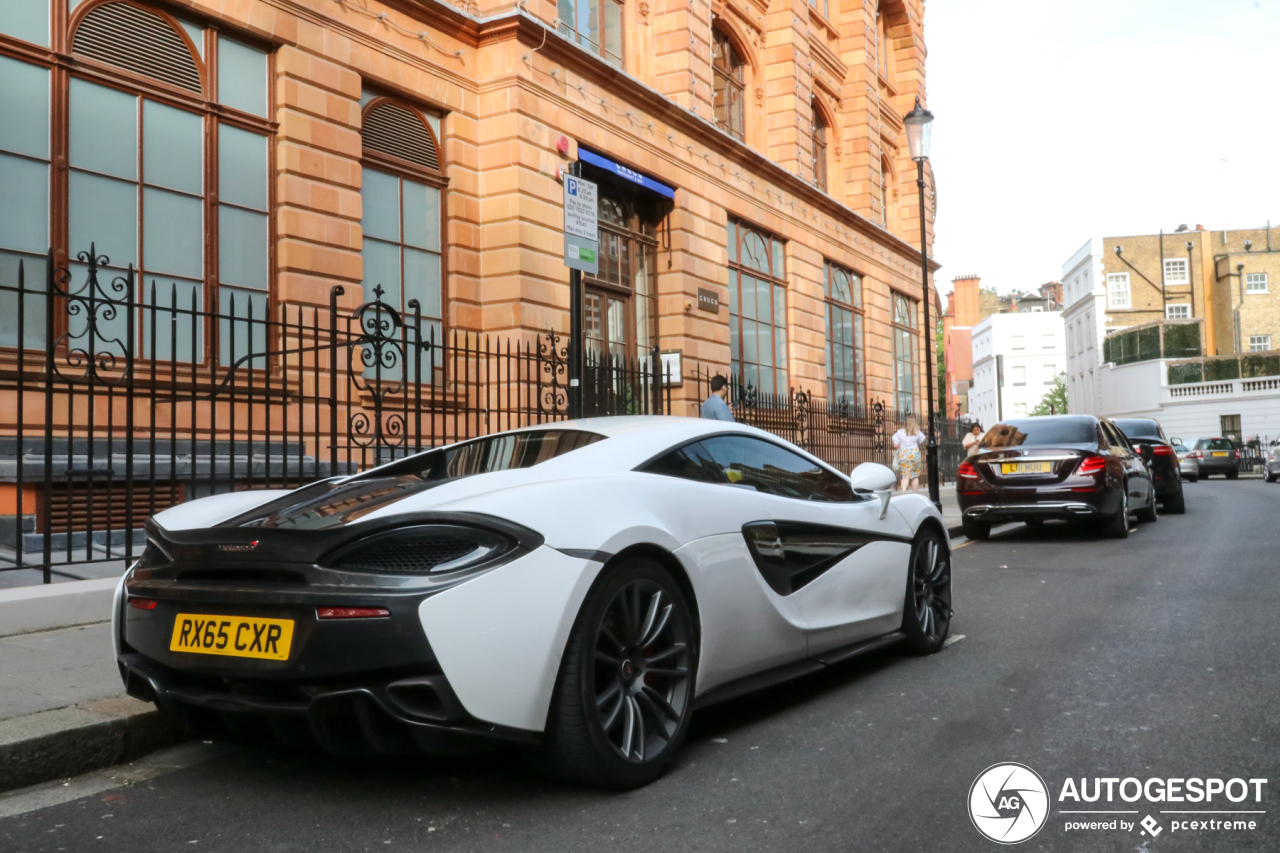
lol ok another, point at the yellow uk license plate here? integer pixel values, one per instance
(235, 636)
(1026, 468)
(1219, 453)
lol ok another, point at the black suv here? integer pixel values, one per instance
(1148, 439)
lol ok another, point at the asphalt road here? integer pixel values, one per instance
(1156, 656)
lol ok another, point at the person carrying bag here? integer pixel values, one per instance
(906, 458)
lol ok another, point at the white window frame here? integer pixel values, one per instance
(1017, 375)
(1183, 312)
(1256, 277)
(1018, 342)
(1183, 277)
(1115, 302)
(1259, 343)
(1049, 340)
(1050, 374)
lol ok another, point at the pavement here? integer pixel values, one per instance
(1081, 657)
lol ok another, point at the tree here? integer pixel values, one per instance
(1054, 402)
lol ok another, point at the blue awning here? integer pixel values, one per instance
(615, 168)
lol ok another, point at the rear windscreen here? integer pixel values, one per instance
(1139, 429)
(1215, 444)
(1037, 432)
(327, 505)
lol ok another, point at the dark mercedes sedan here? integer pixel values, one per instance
(1149, 440)
(1070, 467)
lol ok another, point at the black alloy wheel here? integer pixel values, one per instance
(1117, 527)
(927, 609)
(625, 692)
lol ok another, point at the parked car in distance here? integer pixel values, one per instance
(1186, 465)
(1071, 467)
(1149, 440)
(1215, 456)
(1271, 472)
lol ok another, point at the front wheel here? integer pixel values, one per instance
(624, 695)
(1149, 513)
(1117, 527)
(1270, 478)
(926, 617)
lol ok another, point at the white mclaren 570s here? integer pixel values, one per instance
(577, 588)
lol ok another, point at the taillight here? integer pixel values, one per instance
(1237, 453)
(143, 603)
(351, 612)
(967, 470)
(1195, 454)
(1092, 465)
(1162, 450)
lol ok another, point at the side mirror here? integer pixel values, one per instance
(1146, 452)
(872, 477)
(877, 479)
(1175, 440)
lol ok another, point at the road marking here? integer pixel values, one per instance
(153, 766)
(954, 638)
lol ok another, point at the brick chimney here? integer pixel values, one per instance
(964, 300)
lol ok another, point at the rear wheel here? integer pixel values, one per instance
(1117, 526)
(1177, 504)
(624, 695)
(976, 530)
(1231, 475)
(1270, 478)
(926, 614)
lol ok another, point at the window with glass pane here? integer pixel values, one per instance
(821, 5)
(1181, 311)
(819, 148)
(594, 24)
(906, 354)
(136, 165)
(846, 380)
(1255, 282)
(1118, 290)
(1175, 271)
(757, 309)
(622, 315)
(729, 85)
(1259, 343)
(24, 196)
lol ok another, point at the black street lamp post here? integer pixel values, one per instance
(918, 123)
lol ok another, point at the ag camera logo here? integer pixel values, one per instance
(1008, 803)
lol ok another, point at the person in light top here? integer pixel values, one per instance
(906, 444)
(972, 440)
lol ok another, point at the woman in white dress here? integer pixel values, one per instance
(906, 443)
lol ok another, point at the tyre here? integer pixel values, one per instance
(1034, 522)
(1193, 478)
(1117, 526)
(926, 612)
(1231, 475)
(1149, 513)
(624, 694)
(1176, 505)
(975, 530)
(1270, 478)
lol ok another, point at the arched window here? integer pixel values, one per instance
(163, 157)
(846, 374)
(819, 146)
(730, 85)
(757, 309)
(401, 189)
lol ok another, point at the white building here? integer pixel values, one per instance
(1016, 358)
(1084, 297)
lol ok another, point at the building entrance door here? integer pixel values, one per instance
(605, 319)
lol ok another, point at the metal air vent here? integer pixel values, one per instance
(136, 40)
(394, 130)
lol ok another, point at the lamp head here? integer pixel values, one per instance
(918, 123)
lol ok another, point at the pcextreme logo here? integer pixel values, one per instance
(1009, 803)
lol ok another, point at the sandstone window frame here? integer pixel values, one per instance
(1176, 271)
(729, 66)
(846, 370)
(165, 89)
(757, 257)
(1256, 282)
(1119, 294)
(575, 16)
(410, 169)
(1177, 311)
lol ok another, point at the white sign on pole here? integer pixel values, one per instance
(580, 208)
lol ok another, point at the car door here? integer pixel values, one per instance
(834, 554)
(1137, 477)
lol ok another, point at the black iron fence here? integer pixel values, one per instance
(120, 398)
(840, 433)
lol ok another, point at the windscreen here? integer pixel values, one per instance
(1139, 429)
(1216, 444)
(318, 508)
(1040, 432)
